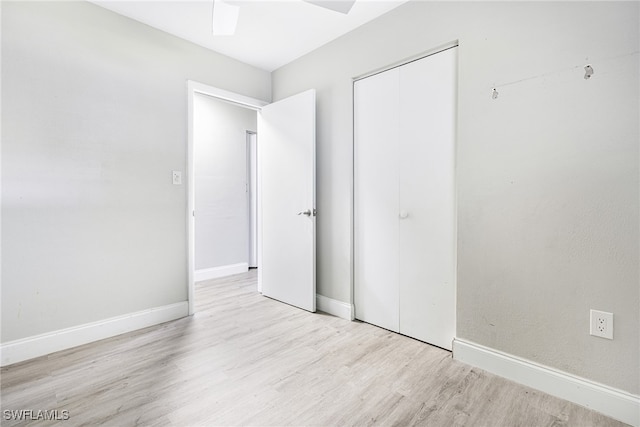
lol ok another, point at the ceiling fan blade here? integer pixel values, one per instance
(225, 18)
(342, 6)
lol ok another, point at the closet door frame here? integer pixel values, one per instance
(354, 224)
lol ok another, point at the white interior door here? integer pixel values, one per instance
(286, 164)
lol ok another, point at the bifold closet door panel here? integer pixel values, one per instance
(427, 198)
(376, 199)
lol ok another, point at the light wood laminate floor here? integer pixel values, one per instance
(244, 359)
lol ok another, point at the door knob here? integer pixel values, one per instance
(306, 213)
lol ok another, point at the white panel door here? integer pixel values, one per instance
(427, 198)
(286, 156)
(376, 199)
(404, 199)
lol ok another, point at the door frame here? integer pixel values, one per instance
(193, 88)
(252, 195)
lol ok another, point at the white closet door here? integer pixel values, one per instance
(427, 196)
(376, 199)
(404, 199)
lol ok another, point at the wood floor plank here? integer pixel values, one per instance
(244, 359)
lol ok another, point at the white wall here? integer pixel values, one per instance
(547, 174)
(94, 119)
(220, 167)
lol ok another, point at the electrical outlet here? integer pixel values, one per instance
(601, 324)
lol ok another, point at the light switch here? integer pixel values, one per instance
(177, 177)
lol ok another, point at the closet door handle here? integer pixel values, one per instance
(305, 213)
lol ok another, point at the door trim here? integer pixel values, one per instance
(194, 87)
(252, 196)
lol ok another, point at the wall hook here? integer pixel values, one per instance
(588, 72)
(494, 94)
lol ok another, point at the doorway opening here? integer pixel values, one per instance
(222, 184)
(286, 210)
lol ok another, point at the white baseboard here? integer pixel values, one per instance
(225, 270)
(28, 348)
(334, 307)
(614, 403)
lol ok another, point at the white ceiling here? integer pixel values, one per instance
(270, 33)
